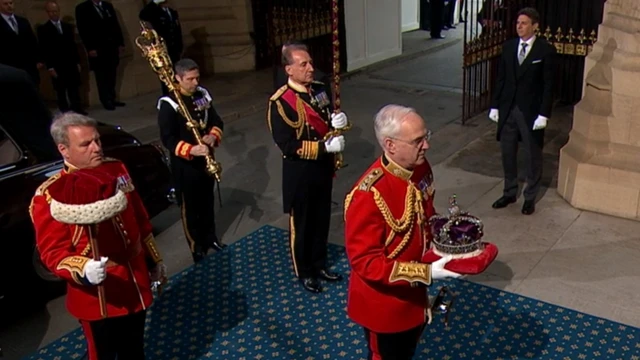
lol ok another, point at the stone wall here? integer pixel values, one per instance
(216, 35)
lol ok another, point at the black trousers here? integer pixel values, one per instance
(309, 223)
(120, 338)
(394, 346)
(436, 17)
(515, 128)
(196, 198)
(67, 84)
(105, 68)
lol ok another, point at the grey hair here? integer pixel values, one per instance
(61, 123)
(388, 120)
(289, 48)
(185, 65)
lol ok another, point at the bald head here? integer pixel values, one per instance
(53, 10)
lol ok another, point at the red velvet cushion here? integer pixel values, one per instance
(470, 266)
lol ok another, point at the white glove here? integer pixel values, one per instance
(335, 144)
(541, 123)
(159, 273)
(439, 272)
(96, 271)
(493, 115)
(339, 120)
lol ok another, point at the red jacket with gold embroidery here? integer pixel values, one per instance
(386, 237)
(62, 238)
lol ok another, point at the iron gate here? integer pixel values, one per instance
(570, 25)
(309, 21)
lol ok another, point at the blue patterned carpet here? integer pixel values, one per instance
(245, 303)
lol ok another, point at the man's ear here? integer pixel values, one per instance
(63, 150)
(389, 145)
(287, 69)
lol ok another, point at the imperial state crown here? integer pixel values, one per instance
(459, 235)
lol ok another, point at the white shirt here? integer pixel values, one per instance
(8, 18)
(57, 24)
(529, 45)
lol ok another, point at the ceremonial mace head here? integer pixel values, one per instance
(154, 49)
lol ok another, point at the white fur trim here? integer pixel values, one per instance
(205, 93)
(459, 256)
(94, 213)
(169, 101)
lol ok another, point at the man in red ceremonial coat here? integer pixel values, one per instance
(300, 114)
(387, 234)
(93, 231)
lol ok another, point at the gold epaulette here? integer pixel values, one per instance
(367, 182)
(43, 187)
(365, 185)
(42, 191)
(279, 93)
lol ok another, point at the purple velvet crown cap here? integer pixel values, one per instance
(457, 229)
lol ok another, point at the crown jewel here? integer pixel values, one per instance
(458, 234)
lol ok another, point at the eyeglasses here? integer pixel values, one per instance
(417, 142)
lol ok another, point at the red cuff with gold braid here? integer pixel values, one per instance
(217, 132)
(467, 266)
(183, 150)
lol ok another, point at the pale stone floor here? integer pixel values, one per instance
(580, 260)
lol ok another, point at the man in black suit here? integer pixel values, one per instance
(101, 36)
(60, 55)
(522, 105)
(19, 44)
(166, 23)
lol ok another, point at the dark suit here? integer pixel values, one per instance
(100, 31)
(20, 50)
(307, 174)
(60, 53)
(167, 24)
(523, 92)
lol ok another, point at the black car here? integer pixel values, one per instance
(28, 157)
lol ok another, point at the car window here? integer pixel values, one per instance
(9, 152)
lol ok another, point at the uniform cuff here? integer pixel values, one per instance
(411, 272)
(75, 266)
(152, 249)
(309, 150)
(183, 150)
(217, 133)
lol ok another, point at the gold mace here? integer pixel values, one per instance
(154, 50)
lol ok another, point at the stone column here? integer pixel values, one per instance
(600, 165)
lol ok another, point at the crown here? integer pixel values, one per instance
(458, 234)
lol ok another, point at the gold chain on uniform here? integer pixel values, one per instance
(412, 208)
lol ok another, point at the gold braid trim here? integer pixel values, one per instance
(412, 211)
(347, 202)
(297, 125)
(150, 242)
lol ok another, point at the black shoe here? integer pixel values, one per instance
(529, 207)
(119, 103)
(503, 202)
(218, 246)
(329, 276)
(311, 284)
(109, 106)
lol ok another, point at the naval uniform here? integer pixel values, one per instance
(194, 187)
(298, 119)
